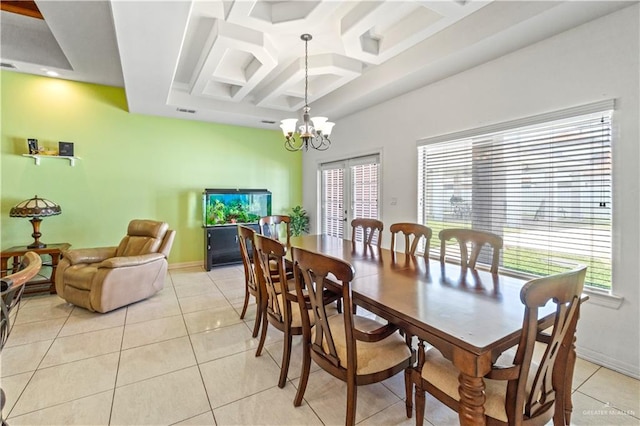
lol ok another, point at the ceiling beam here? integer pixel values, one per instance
(22, 7)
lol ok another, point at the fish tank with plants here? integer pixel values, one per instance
(231, 206)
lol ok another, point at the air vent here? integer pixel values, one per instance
(188, 111)
(268, 122)
(7, 65)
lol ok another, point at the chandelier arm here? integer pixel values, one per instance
(290, 144)
(320, 142)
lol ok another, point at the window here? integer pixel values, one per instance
(353, 183)
(544, 187)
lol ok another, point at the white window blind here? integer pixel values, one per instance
(349, 190)
(364, 192)
(333, 201)
(545, 188)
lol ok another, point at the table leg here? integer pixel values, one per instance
(472, 400)
(3, 264)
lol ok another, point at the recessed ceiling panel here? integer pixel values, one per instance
(242, 62)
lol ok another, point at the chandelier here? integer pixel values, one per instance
(313, 132)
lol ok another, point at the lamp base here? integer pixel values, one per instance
(36, 234)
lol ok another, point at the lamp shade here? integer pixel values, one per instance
(288, 125)
(35, 207)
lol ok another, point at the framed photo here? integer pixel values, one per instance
(65, 149)
(32, 144)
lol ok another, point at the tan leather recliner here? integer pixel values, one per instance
(105, 278)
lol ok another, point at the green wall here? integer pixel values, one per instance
(132, 166)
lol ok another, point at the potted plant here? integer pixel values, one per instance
(299, 221)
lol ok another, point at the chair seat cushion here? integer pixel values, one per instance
(80, 276)
(442, 374)
(371, 356)
(296, 317)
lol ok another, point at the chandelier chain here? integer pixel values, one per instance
(306, 71)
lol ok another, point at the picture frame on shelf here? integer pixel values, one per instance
(65, 149)
(32, 146)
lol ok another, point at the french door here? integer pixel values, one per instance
(349, 189)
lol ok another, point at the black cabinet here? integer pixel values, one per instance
(221, 245)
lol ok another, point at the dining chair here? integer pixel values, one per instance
(368, 227)
(352, 348)
(279, 305)
(11, 289)
(275, 226)
(518, 390)
(477, 239)
(413, 233)
(252, 287)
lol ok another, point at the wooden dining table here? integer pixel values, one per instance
(470, 316)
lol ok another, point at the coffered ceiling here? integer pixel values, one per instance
(242, 62)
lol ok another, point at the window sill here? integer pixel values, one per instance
(601, 298)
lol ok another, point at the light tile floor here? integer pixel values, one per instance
(185, 357)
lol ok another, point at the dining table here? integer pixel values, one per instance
(470, 316)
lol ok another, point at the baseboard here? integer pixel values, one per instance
(187, 265)
(608, 362)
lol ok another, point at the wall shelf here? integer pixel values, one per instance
(36, 158)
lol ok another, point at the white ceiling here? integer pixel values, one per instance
(242, 62)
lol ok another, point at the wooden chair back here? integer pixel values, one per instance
(275, 226)
(11, 289)
(413, 233)
(477, 239)
(536, 398)
(311, 270)
(252, 287)
(279, 304)
(333, 341)
(270, 255)
(523, 391)
(368, 227)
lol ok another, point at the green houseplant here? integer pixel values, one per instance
(299, 221)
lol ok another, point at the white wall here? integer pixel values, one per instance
(593, 62)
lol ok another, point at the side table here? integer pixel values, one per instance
(39, 285)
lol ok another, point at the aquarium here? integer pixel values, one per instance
(228, 206)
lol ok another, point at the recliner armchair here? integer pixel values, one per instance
(106, 278)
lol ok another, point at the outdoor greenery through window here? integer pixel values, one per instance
(544, 187)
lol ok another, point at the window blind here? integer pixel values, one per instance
(364, 192)
(333, 202)
(545, 188)
(354, 183)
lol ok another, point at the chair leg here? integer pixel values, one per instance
(420, 402)
(263, 334)
(256, 324)
(352, 399)
(246, 302)
(286, 357)
(408, 385)
(304, 374)
(2, 402)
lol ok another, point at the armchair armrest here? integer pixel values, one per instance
(122, 261)
(89, 255)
